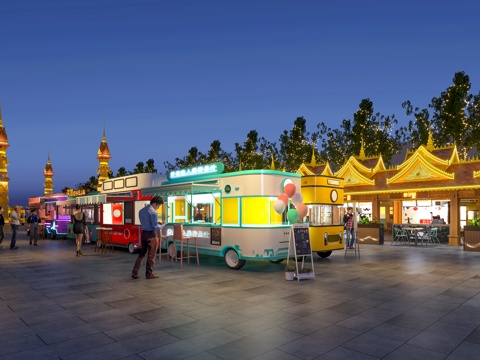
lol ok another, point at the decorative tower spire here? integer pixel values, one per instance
(362, 153)
(4, 179)
(272, 165)
(430, 146)
(103, 156)
(48, 174)
(313, 162)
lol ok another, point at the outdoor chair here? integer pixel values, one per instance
(400, 235)
(179, 236)
(433, 235)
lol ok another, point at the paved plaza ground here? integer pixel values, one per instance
(394, 302)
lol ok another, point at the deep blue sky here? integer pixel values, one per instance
(163, 76)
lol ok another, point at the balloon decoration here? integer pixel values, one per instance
(279, 206)
(302, 210)
(284, 198)
(292, 216)
(283, 183)
(290, 192)
(297, 199)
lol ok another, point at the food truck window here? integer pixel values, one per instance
(128, 212)
(255, 211)
(113, 214)
(230, 211)
(89, 211)
(139, 205)
(325, 214)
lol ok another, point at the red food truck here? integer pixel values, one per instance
(121, 201)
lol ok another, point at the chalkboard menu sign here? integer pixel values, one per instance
(216, 236)
(301, 238)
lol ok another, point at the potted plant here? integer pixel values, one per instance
(471, 234)
(290, 270)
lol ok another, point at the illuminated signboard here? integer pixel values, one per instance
(207, 169)
(412, 195)
(333, 182)
(74, 193)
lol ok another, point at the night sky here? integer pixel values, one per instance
(163, 76)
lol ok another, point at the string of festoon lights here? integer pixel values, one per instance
(290, 192)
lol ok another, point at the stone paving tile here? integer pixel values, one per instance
(395, 302)
(73, 332)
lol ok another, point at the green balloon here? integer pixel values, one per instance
(292, 216)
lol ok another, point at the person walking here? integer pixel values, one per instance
(2, 224)
(34, 220)
(349, 227)
(149, 222)
(79, 223)
(14, 223)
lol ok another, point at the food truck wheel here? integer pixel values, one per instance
(131, 248)
(324, 254)
(232, 260)
(278, 261)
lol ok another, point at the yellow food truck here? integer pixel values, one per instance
(323, 196)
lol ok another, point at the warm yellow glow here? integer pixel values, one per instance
(255, 210)
(230, 211)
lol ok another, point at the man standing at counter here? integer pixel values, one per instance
(149, 223)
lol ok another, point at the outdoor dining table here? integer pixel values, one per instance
(414, 231)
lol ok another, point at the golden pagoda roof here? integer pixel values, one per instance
(3, 132)
(103, 150)
(317, 169)
(423, 170)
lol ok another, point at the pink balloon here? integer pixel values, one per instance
(284, 198)
(297, 198)
(290, 190)
(302, 210)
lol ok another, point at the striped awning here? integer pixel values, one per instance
(182, 189)
(91, 199)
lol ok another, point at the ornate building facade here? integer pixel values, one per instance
(4, 179)
(103, 156)
(48, 174)
(428, 182)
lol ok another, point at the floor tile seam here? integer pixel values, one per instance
(83, 350)
(402, 342)
(209, 332)
(116, 316)
(416, 346)
(435, 350)
(361, 353)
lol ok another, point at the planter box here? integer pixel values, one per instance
(371, 234)
(471, 240)
(302, 276)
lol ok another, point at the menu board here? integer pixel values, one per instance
(216, 236)
(301, 239)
